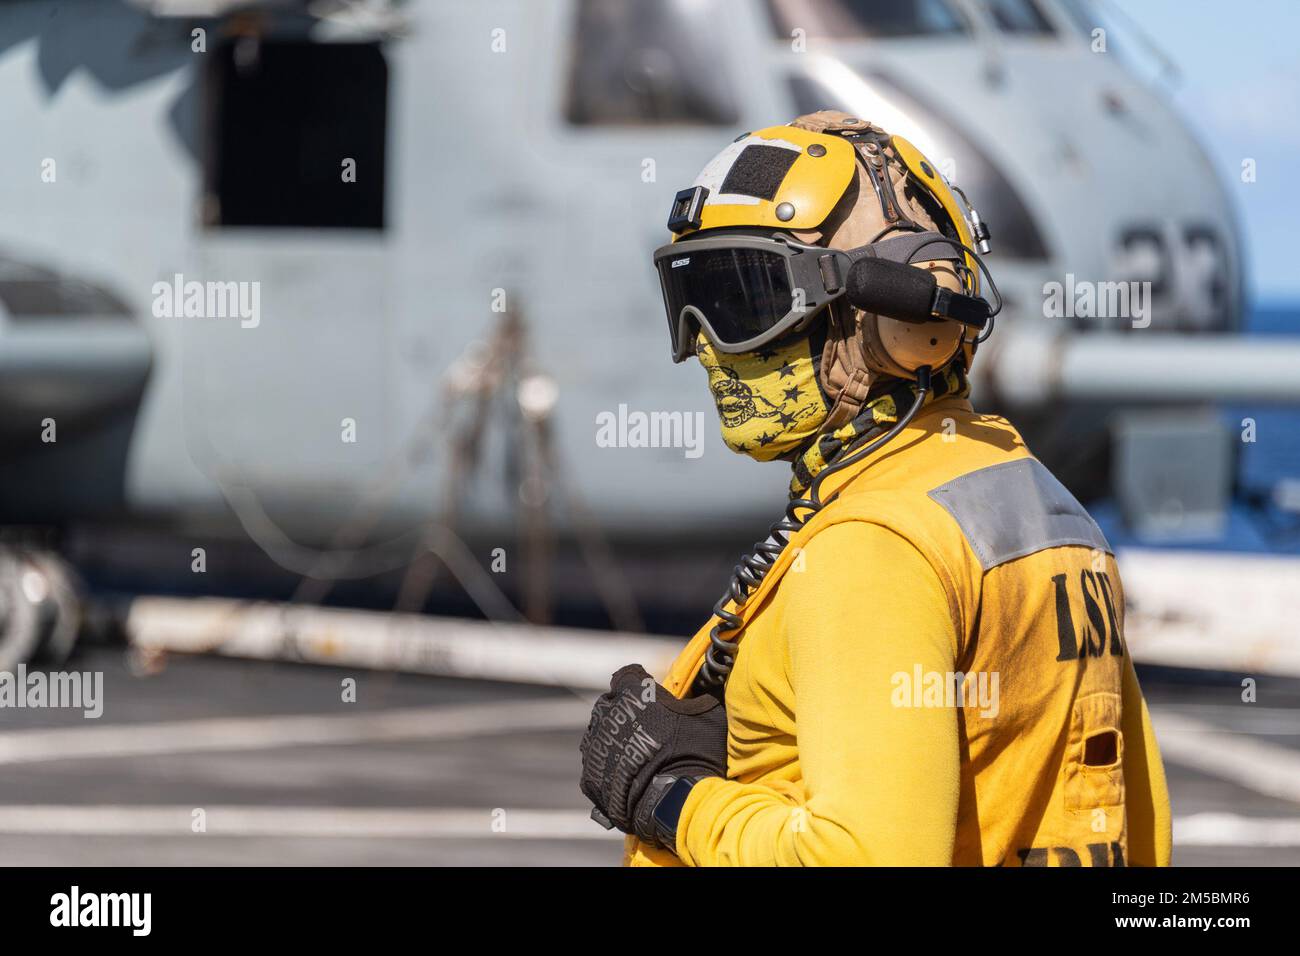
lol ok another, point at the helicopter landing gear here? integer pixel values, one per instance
(40, 607)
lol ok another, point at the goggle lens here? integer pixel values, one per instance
(741, 292)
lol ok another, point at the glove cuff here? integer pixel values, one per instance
(663, 802)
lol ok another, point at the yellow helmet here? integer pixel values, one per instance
(838, 182)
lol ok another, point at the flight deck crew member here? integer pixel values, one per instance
(924, 663)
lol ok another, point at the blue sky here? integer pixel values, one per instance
(1240, 90)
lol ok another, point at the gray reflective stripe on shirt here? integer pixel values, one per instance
(1017, 508)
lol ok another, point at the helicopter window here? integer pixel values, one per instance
(295, 134)
(1014, 233)
(1019, 16)
(635, 63)
(865, 19)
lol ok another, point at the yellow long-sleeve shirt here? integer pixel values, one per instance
(851, 741)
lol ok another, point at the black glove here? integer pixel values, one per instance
(640, 741)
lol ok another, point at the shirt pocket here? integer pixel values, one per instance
(1094, 763)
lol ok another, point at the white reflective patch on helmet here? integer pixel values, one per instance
(715, 173)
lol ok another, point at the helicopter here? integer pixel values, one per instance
(393, 181)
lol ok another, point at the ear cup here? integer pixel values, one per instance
(906, 346)
(900, 348)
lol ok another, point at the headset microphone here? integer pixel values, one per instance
(909, 294)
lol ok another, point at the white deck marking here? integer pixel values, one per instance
(1201, 829)
(262, 733)
(315, 822)
(1238, 758)
(1253, 719)
(1229, 829)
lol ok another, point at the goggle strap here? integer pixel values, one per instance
(906, 248)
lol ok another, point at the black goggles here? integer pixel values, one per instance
(744, 292)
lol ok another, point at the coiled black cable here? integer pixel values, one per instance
(754, 566)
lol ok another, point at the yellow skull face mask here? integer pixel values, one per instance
(769, 402)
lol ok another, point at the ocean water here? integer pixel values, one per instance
(1256, 523)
